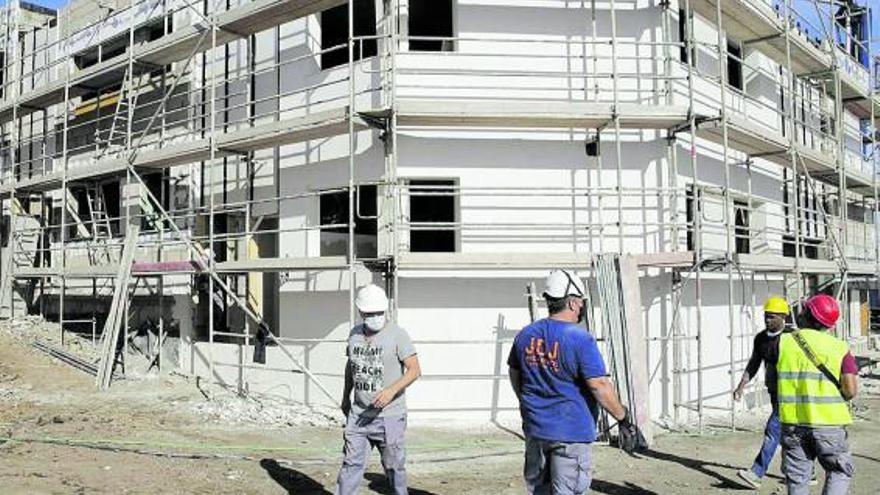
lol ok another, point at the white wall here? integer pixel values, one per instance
(554, 44)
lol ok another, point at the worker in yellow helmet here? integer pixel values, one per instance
(816, 376)
(765, 350)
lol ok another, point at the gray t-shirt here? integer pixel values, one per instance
(376, 360)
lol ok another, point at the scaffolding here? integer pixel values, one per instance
(161, 106)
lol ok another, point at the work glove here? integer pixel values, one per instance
(630, 438)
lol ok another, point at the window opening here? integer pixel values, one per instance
(334, 33)
(430, 19)
(334, 215)
(432, 202)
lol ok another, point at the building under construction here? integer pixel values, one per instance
(198, 171)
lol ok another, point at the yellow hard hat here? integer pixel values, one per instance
(776, 304)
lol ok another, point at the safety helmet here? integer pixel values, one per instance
(561, 283)
(777, 305)
(824, 309)
(371, 299)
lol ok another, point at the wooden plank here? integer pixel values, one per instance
(110, 334)
(680, 259)
(283, 264)
(535, 114)
(637, 344)
(617, 282)
(492, 261)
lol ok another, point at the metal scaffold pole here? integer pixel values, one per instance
(594, 48)
(393, 179)
(840, 163)
(696, 227)
(874, 157)
(129, 118)
(843, 292)
(352, 253)
(252, 237)
(790, 89)
(211, 190)
(65, 164)
(7, 293)
(615, 88)
(728, 204)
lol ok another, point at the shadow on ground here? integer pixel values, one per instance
(701, 466)
(298, 483)
(378, 483)
(292, 480)
(609, 488)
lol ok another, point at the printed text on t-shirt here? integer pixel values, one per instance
(538, 356)
(368, 368)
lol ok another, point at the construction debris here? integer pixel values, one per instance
(77, 350)
(66, 357)
(9, 389)
(224, 406)
(28, 329)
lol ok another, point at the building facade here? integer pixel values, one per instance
(271, 156)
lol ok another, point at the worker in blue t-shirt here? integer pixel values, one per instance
(560, 380)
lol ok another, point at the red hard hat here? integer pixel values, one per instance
(824, 309)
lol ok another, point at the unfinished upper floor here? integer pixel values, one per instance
(284, 87)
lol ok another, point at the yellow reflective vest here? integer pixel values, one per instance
(806, 396)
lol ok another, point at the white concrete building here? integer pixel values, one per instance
(452, 150)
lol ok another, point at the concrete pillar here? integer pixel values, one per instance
(134, 202)
(403, 6)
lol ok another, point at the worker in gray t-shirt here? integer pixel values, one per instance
(382, 363)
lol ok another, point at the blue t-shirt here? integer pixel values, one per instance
(555, 359)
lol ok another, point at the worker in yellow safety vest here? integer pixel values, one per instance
(816, 377)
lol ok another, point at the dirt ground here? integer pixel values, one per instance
(59, 435)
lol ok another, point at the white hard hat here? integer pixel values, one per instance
(371, 299)
(561, 283)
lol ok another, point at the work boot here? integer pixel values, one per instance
(750, 478)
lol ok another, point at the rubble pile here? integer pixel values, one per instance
(225, 406)
(29, 328)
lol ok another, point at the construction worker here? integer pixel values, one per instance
(765, 350)
(816, 376)
(560, 380)
(382, 363)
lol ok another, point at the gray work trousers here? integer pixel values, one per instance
(802, 445)
(557, 468)
(361, 435)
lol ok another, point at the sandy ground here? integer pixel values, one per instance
(156, 435)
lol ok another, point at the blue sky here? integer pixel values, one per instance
(52, 4)
(808, 10)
